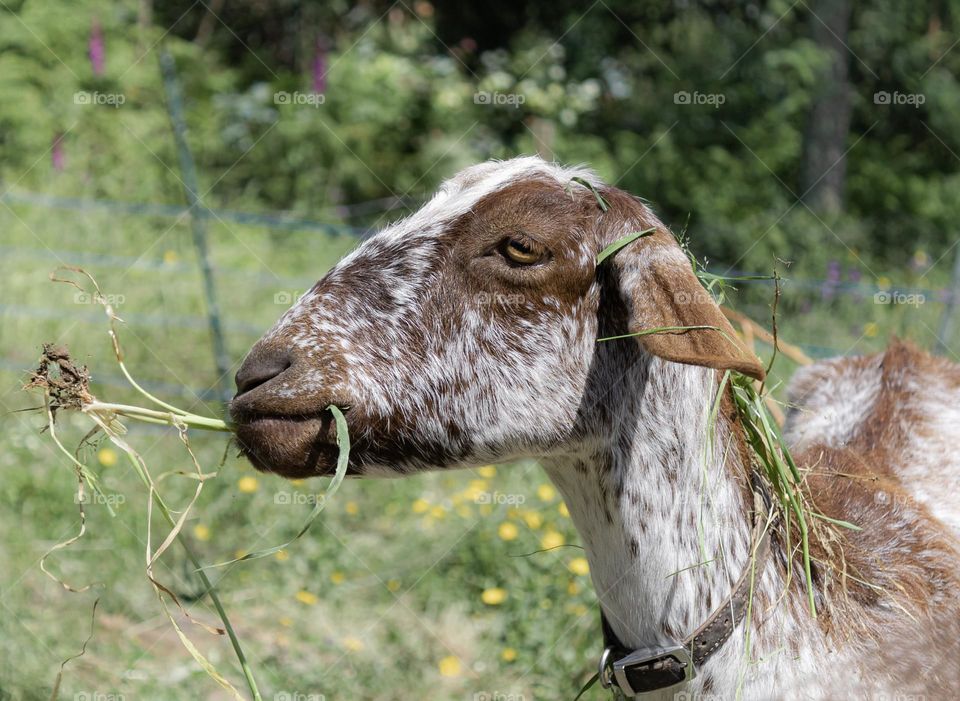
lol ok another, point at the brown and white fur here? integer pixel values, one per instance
(447, 353)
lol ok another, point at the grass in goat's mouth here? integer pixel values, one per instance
(65, 386)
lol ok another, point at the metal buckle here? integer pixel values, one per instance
(650, 662)
(603, 673)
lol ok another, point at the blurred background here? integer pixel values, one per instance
(208, 160)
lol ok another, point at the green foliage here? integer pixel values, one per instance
(402, 110)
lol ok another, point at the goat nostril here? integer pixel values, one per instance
(259, 368)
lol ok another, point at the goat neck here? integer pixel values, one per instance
(660, 499)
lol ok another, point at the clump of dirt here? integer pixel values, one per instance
(62, 380)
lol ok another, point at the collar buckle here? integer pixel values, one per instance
(653, 669)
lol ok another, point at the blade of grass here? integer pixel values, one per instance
(621, 242)
(343, 443)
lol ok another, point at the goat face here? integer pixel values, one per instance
(467, 333)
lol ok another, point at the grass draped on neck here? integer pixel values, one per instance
(769, 451)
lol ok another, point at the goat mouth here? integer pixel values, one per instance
(290, 446)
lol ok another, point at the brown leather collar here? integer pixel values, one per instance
(651, 669)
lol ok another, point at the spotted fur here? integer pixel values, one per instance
(445, 354)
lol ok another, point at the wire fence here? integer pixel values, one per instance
(836, 285)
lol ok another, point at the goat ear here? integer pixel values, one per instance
(661, 290)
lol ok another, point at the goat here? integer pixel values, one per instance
(468, 334)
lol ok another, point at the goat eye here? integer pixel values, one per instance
(521, 252)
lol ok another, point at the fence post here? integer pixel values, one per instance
(949, 309)
(198, 219)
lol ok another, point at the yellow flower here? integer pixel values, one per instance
(421, 506)
(486, 509)
(248, 485)
(573, 589)
(564, 511)
(487, 471)
(438, 512)
(393, 585)
(351, 508)
(870, 329)
(475, 490)
(508, 654)
(170, 256)
(282, 555)
(493, 596)
(533, 519)
(507, 531)
(286, 621)
(578, 610)
(546, 492)
(107, 457)
(551, 539)
(449, 666)
(201, 532)
(305, 597)
(353, 644)
(337, 577)
(883, 282)
(579, 565)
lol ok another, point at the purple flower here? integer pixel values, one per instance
(96, 49)
(833, 271)
(58, 157)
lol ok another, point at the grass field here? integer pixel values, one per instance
(420, 588)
